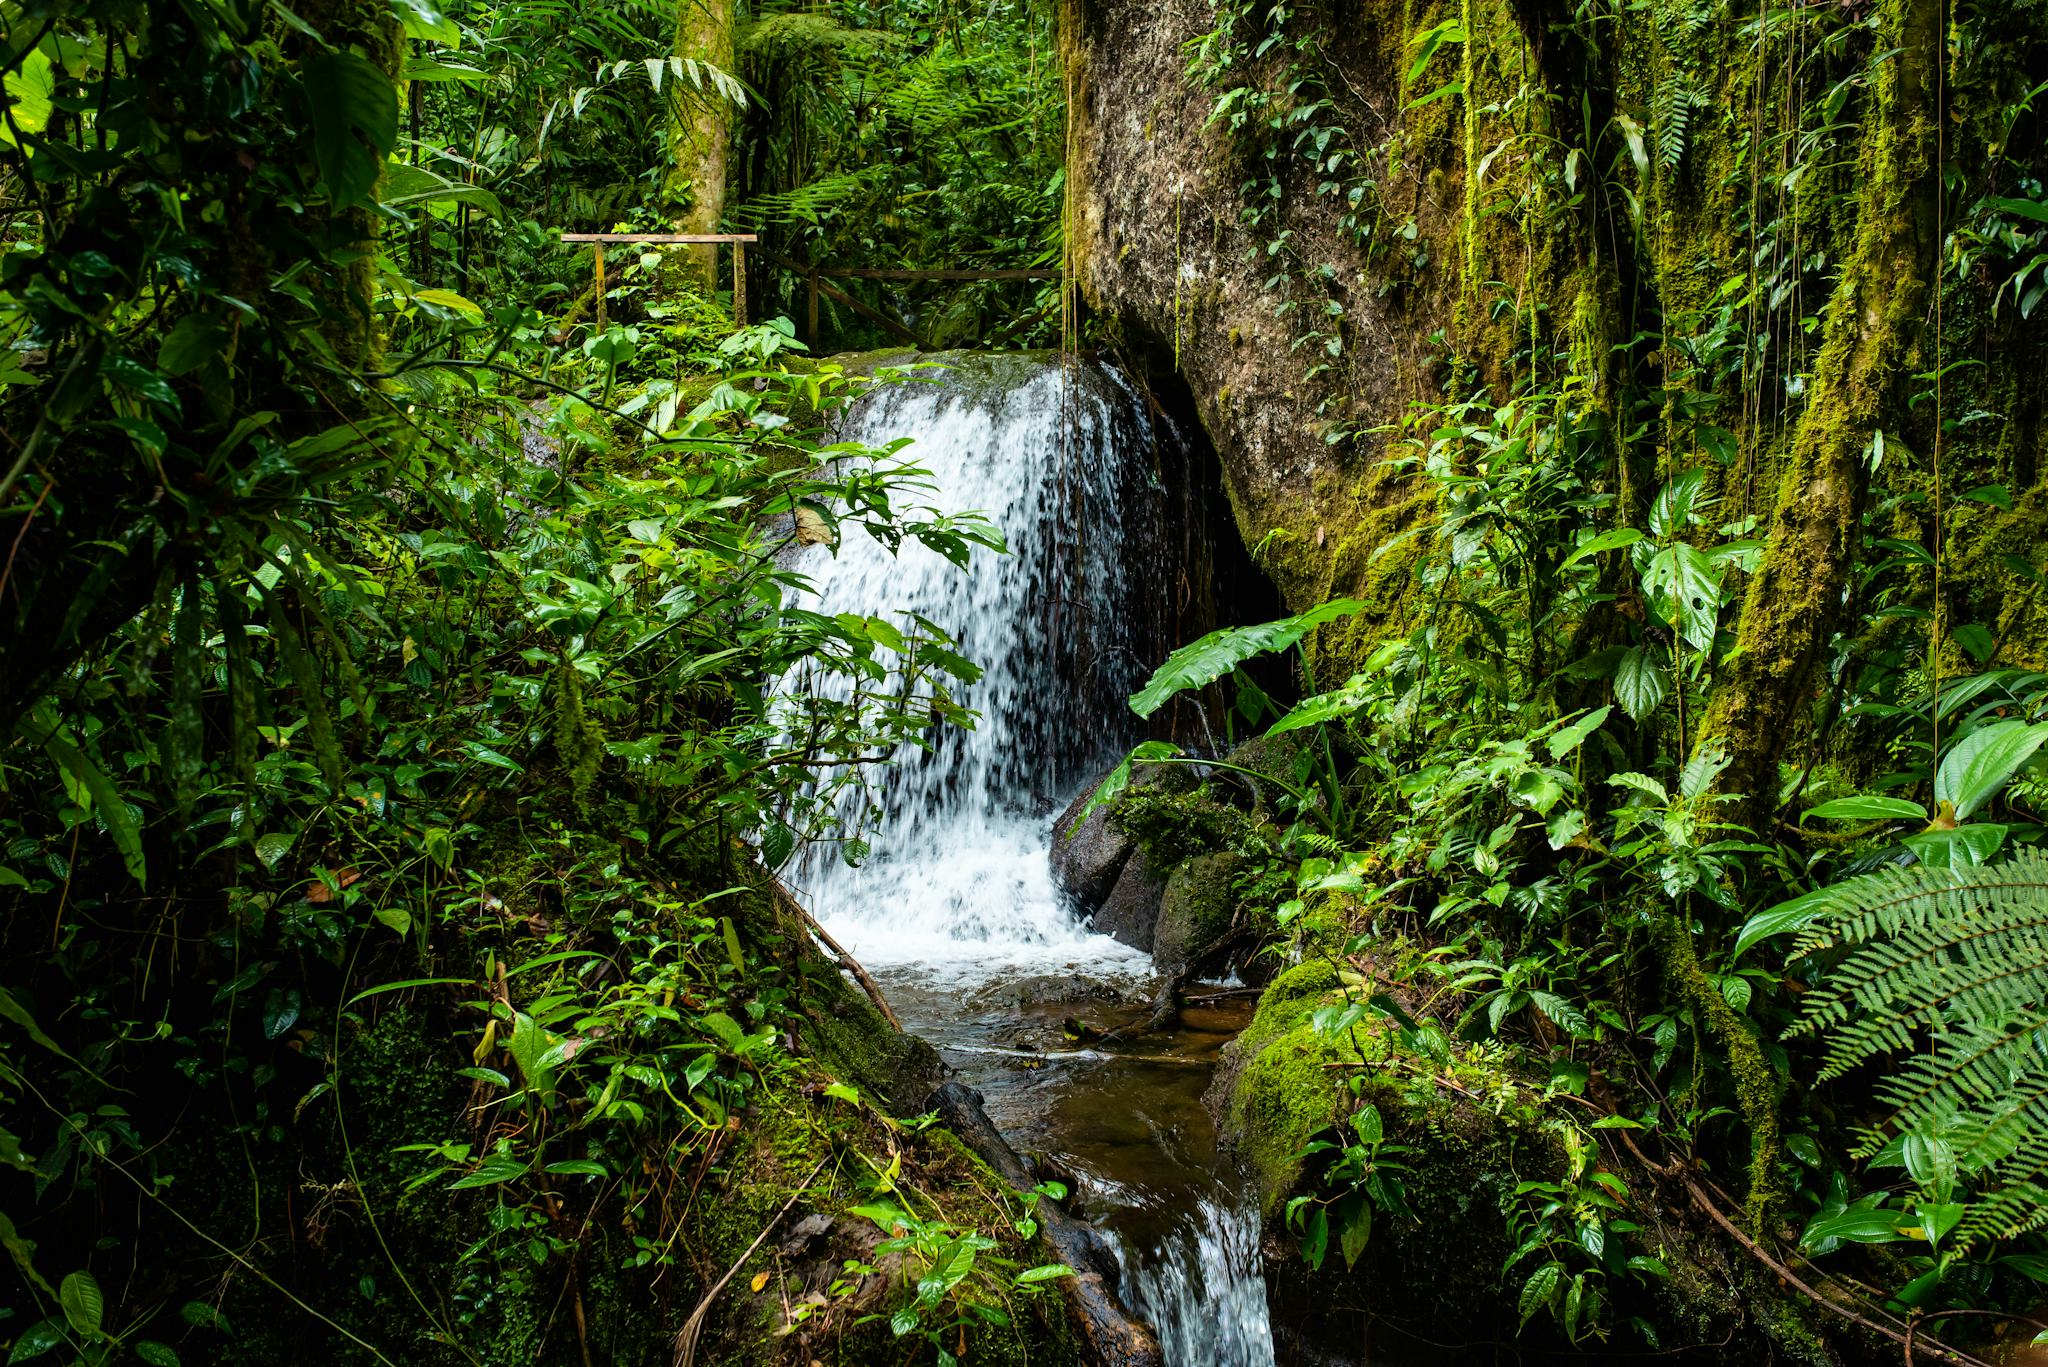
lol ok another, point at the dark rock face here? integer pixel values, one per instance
(1196, 909)
(1088, 853)
(1132, 907)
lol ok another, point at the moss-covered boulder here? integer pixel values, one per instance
(1196, 911)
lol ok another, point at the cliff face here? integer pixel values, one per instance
(1164, 247)
(1324, 215)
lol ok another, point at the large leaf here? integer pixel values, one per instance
(1338, 702)
(1782, 919)
(1868, 809)
(106, 800)
(1980, 763)
(1209, 659)
(1638, 683)
(1683, 584)
(84, 1306)
(355, 123)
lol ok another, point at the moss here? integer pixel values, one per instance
(579, 740)
(1197, 909)
(1169, 827)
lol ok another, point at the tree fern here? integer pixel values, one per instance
(1950, 967)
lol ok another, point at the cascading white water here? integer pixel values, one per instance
(957, 890)
(1203, 1290)
(957, 880)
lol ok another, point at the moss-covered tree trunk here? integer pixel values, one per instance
(1871, 332)
(700, 135)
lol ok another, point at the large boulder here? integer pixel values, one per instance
(1132, 907)
(1088, 852)
(1195, 911)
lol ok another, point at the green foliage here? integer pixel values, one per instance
(1946, 966)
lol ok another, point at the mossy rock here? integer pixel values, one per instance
(1195, 911)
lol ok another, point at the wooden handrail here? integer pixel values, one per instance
(660, 237)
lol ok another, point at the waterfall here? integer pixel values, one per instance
(1061, 459)
(956, 892)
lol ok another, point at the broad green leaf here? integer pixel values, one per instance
(1044, 1272)
(1979, 764)
(1683, 584)
(1562, 743)
(1357, 1228)
(495, 1170)
(1638, 683)
(1540, 1290)
(37, 1339)
(1607, 541)
(106, 800)
(1859, 1225)
(195, 340)
(398, 918)
(84, 1306)
(1339, 702)
(1959, 848)
(355, 122)
(1867, 809)
(426, 23)
(1782, 919)
(1209, 659)
(273, 847)
(157, 1354)
(577, 1167)
(448, 299)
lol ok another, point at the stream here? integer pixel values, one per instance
(955, 911)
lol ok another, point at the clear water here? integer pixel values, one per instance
(955, 910)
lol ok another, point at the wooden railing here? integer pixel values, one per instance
(739, 243)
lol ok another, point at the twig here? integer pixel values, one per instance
(686, 1337)
(846, 961)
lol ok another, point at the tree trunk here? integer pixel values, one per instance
(699, 136)
(1870, 335)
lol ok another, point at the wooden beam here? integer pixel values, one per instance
(660, 237)
(1046, 273)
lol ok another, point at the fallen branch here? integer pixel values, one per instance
(846, 961)
(686, 1337)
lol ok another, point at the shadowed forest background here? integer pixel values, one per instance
(1585, 617)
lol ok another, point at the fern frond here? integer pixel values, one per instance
(1950, 967)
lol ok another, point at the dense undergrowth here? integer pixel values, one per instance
(1670, 779)
(392, 766)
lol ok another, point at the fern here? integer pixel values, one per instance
(1948, 966)
(1671, 109)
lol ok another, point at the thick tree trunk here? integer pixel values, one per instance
(1871, 332)
(700, 135)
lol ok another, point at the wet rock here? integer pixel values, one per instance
(804, 1235)
(1196, 909)
(1088, 853)
(1132, 907)
(1039, 989)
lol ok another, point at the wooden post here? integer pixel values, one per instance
(597, 250)
(811, 312)
(739, 283)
